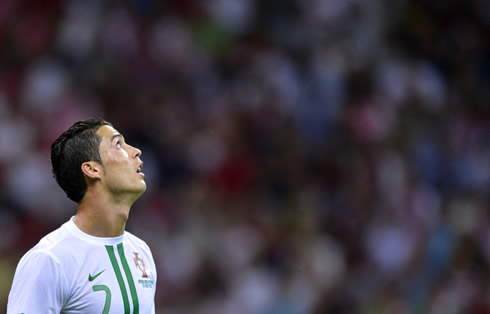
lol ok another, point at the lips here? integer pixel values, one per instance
(140, 170)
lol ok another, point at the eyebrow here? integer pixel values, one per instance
(117, 135)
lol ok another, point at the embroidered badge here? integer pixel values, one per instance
(140, 264)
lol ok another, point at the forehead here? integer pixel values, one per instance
(106, 132)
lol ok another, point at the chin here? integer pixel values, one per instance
(138, 192)
(143, 186)
(138, 189)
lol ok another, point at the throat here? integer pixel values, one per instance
(100, 224)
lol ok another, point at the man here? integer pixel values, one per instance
(90, 264)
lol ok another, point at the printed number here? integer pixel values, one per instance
(108, 295)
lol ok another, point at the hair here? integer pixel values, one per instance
(78, 144)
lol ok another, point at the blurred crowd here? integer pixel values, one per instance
(301, 156)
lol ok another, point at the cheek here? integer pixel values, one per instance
(117, 158)
(114, 169)
(125, 154)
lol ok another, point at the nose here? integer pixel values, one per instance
(136, 152)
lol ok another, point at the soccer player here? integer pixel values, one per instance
(90, 264)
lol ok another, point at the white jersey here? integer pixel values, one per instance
(69, 271)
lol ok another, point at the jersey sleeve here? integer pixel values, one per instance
(38, 285)
(152, 261)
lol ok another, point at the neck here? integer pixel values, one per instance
(99, 216)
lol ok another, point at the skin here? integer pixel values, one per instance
(112, 187)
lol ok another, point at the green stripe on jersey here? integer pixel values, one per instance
(129, 276)
(112, 256)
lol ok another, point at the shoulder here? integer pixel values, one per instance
(139, 246)
(48, 243)
(39, 282)
(56, 246)
(38, 256)
(40, 265)
(135, 240)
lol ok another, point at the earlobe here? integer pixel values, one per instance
(91, 169)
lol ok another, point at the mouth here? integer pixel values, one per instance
(140, 170)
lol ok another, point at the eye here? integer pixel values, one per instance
(118, 143)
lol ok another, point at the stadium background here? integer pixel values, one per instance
(302, 156)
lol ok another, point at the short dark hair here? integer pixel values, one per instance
(78, 144)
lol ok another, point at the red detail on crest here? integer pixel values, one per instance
(140, 264)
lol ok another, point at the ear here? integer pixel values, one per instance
(92, 169)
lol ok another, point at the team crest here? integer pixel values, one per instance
(140, 264)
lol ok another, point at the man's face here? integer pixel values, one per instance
(122, 174)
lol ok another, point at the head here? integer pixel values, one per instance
(92, 151)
